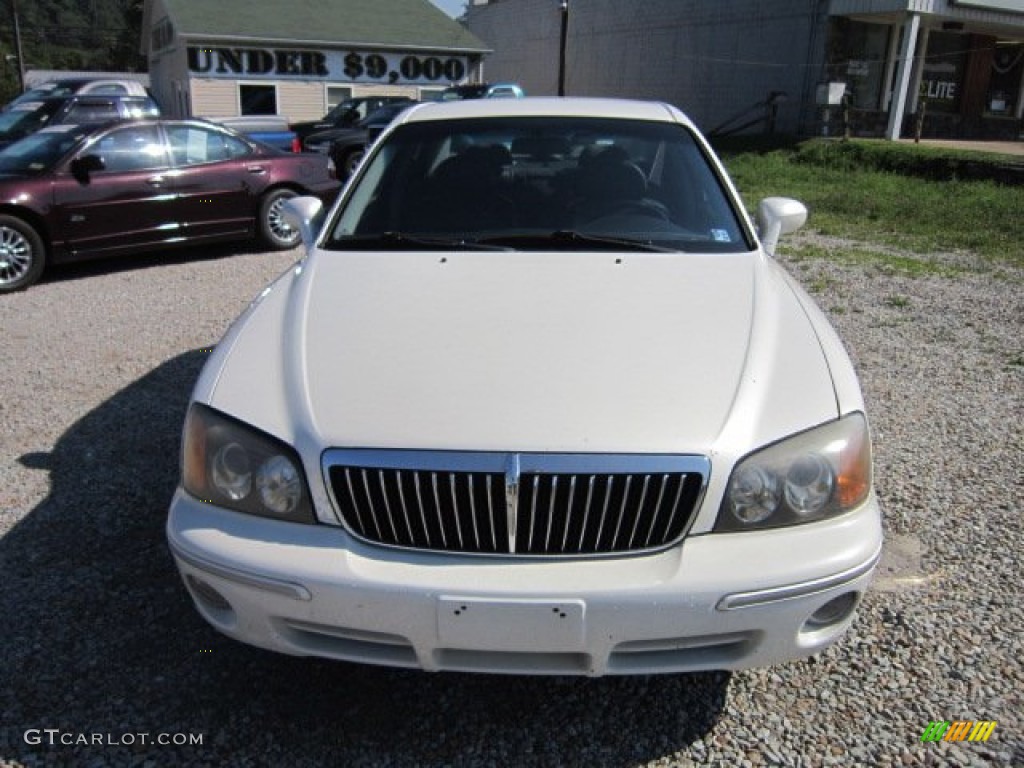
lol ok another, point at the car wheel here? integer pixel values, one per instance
(275, 229)
(22, 254)
(350, 161)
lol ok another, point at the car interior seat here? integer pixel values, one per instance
(468, 192)
(606, 179)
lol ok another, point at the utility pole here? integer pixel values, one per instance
(564, 7)
(17, 47)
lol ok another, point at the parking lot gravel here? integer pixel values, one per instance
(103, 661)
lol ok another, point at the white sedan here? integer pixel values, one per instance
(537, 399)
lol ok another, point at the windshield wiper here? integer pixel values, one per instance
(574, 237)
(399, 241)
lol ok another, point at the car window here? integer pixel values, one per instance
(26, 117)
(139, 106)
(131, 148)
(46, 91)
(347, 111)
(383, 115)
(91, 112)
(39, 152)
(516, 181)
(196, 144)
(108, 88)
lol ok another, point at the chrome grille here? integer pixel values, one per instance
(523, 504)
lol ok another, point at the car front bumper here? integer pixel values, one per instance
(717, 601)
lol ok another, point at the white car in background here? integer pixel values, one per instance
(536, 400)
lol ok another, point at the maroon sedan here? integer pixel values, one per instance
(73, 192)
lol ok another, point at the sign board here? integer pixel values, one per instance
(830, 94)
(354, 66)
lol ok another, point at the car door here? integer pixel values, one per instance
(217, 179)
(125, 204)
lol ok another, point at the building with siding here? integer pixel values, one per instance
(299, 58)
(755, 65)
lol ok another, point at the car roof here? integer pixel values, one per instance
(80, 84)
(545, 107)
(89, 128)
(92, 97)
(97, 126)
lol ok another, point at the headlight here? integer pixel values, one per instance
(235, 466)
(819, 473)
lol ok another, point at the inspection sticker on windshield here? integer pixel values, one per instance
(720, 236)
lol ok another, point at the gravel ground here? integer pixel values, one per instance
(100, 642)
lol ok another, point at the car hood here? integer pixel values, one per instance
(309, 125)
(573, 352)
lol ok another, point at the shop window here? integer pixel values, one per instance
(942, 74)
(857, 57)
(257, 99)
(1005, 85)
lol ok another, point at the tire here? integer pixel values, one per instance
(350, 161)
(275, 231)
(22, 254)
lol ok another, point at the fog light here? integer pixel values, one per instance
(836, 610)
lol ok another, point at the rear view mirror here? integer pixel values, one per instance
(82, 166)
(777, 216)
(305, 213)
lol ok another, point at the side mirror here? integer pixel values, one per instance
(305, 213)
(82, 166)
(777, 216)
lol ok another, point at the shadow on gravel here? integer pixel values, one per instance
(77, 270)
(99, 638)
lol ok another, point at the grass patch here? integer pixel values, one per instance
(927, 162)
(886, 207)
(896, 302)
(885, 262)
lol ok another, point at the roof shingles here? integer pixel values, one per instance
(404, 24)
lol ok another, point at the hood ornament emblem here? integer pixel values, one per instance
(512, 498)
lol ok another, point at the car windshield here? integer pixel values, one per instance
(48, 91)
(383, 115)
(39, 152)
(350, 111)
(27, 117)
(539, 183)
